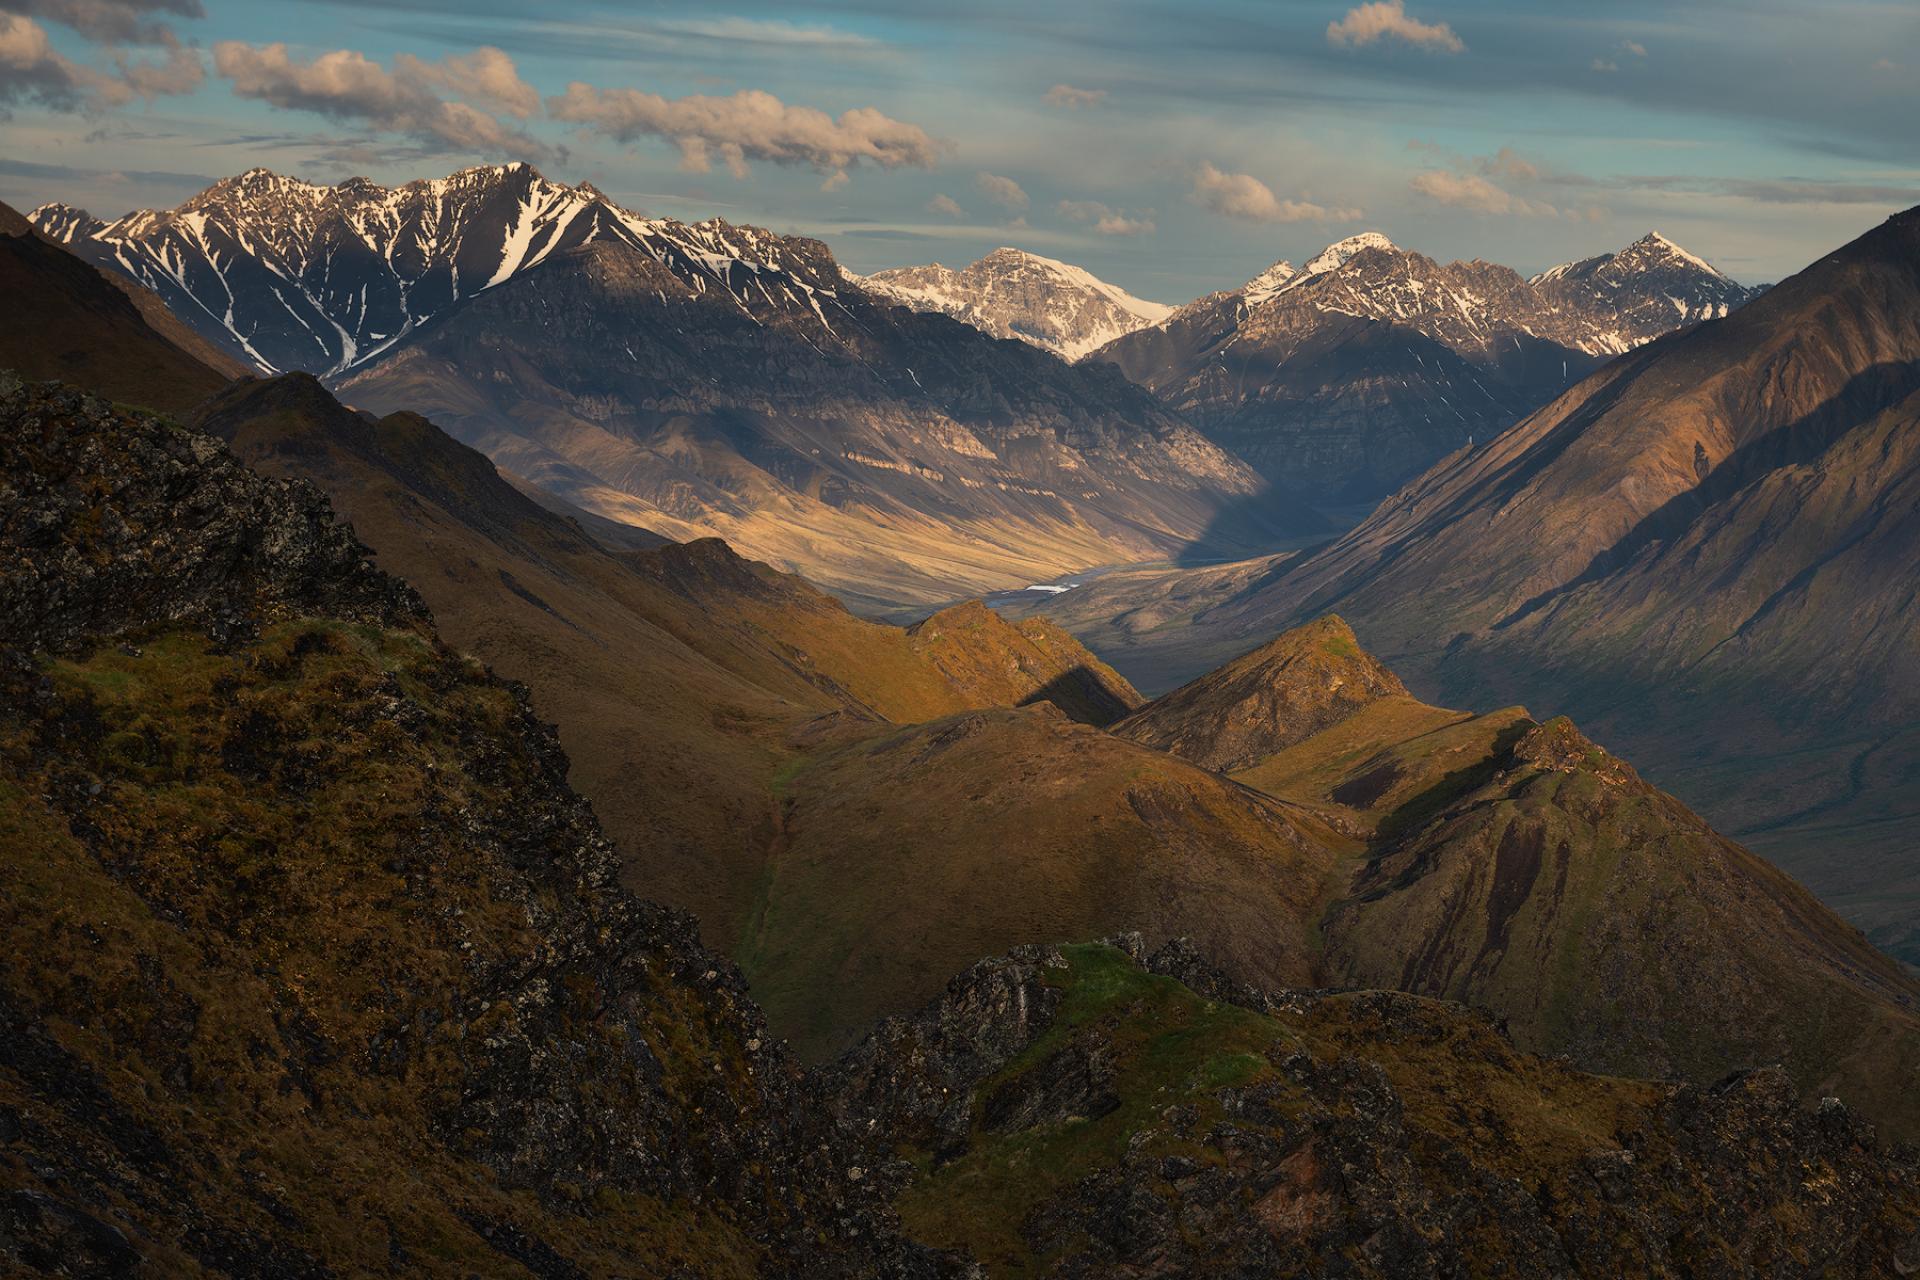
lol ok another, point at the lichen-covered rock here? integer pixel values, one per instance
(315, 966)
(1141, 1126)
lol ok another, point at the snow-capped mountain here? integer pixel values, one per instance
(1369, 363)
(1011, 293)
(1649, 288)
(294, 275)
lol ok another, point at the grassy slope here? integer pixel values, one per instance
(683, 679)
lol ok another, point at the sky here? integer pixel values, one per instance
(1173, 147)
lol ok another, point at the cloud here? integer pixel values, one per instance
(770, 32)
(1004, 192)
(348, 86)
(1634, 47)
(1472, 192)
(31, 69)
(1065, 95)
(1603, 64)
(109, 21)
(1387, 19)
(487, 74)
(1785, 190)
(1107, 221)
(1243, 196)
(946, 206)
(750, 124)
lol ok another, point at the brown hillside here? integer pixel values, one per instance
(906, 856)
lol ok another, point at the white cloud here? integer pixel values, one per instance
(1243, 196)
(1472, 192)
(1605, 64)
(487, 74)
(1388, 19)
(1634, 47)
(946, 206)
(1065, 95)
(347, 85)
(748, 125)
(1004, 192)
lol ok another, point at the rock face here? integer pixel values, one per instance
(1085, 1112)
(1014, 294)
(1263, 702)
(1705, 551)
(1356, 372)
(298, 900)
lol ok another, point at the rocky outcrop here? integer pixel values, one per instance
(1333, 1134)
(115, 521)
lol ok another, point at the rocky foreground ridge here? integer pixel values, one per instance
(318, 967)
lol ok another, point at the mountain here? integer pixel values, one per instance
(1705, 551)
(1096, 1110)
(1011, 293)
(68, 320)
(302, 901)
(906, 855)
(297, 900)
(1360, 369)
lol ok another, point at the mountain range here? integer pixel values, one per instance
(712, 380)
(1358, 370)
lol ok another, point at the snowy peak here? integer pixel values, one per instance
(1340, 252)
(1011, 293)
(1642, 291)
(290, 274)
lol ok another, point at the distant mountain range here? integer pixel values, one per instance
(1357, 371)
(701, 379)
(1011, 293)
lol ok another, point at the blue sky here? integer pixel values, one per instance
(1170, 147)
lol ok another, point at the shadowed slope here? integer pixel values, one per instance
(67, 320)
